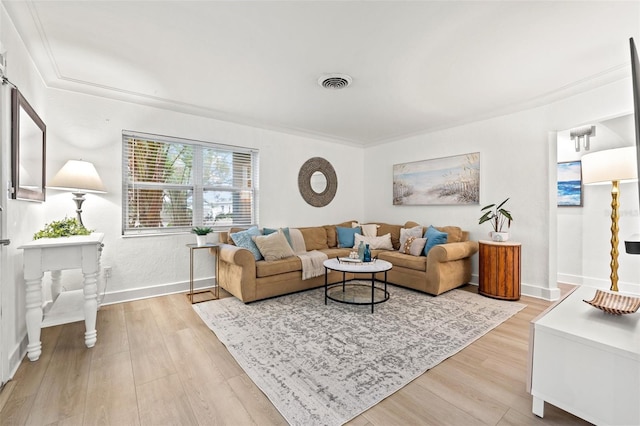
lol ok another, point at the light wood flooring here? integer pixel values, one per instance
(157, 363)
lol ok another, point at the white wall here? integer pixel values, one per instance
(18, 215)
(517, 161)
(584, 232)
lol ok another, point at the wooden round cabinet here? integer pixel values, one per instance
(500, 270)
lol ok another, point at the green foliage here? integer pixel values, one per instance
(498, 216)
(202, 230)
(62, 228)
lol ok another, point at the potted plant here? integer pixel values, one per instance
(498, 216)
(201, 234)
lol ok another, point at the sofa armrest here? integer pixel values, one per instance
(237, 272)
(452, 251)
(237, 256)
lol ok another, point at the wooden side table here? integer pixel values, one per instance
(215, 291)
(55, 255)
(500, 269)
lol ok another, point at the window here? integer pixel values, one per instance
(172, 184)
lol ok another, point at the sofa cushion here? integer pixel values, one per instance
(394, 230)
(454, 233)
(273, 246)
(434, 237)
(401, 260)
(315, 238)
(346, 236)
(276, 267)
(414, 246)
(244, 239)
(382, 242)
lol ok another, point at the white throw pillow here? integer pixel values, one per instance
(273, 246)
(405, 233)
(368, 230)
(382, 242)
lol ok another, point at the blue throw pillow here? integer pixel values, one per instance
(434, 237)
(243, 239)
(285, 231)
(346, 236)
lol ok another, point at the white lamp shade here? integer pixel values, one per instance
(612, 164)
(77, 176)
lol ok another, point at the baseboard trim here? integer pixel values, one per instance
(139, 293)
(550, 294)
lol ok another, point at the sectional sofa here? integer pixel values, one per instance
(445, 267)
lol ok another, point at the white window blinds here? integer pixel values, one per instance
(172, 184)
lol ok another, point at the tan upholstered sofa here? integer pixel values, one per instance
(446, 266)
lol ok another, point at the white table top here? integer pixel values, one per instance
(369, 267)
(76, 240)
(574, 319)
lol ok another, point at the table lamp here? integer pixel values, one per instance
(79, 177)
(611, 166)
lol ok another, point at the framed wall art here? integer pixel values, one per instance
(570, 184)
(447, 181)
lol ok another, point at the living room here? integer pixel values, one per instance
(517, 144)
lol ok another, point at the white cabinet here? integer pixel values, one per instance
(55, 255)
(586, 362)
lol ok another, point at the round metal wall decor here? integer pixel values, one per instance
(311, 166)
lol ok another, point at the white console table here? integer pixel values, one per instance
(586, 362)
(55, 255)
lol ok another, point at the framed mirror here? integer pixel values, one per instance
(28, 150)
(317, 182)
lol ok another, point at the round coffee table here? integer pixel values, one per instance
(352, 293)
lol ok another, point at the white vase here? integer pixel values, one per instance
(499, 236)
(201, 240)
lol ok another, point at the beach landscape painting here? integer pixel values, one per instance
(570, 184)
(449, 180)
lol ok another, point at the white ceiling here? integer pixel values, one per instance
(417, 66)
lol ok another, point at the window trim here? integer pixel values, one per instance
(197, 187)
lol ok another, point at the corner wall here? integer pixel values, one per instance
(517, 160)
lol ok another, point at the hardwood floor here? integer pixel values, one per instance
(157, 363)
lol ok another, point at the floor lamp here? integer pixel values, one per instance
(611, 166)
(78, 177)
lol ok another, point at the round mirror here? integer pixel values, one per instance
(317, 182)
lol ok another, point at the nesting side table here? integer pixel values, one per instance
(500, 269)
(215, 293)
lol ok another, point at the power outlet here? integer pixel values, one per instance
(107, 271)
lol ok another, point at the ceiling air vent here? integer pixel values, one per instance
(334, 81)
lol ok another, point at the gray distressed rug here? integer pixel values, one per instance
(324, 365)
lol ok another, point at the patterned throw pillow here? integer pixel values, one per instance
(414, 246)
(244, 239)
(405, 233)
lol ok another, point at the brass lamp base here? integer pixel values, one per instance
(615, 204)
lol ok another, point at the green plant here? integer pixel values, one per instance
(497, 215)
(62, 228)
(202, 230)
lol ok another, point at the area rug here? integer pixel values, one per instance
(324, 365)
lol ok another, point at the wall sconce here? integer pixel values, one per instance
(611, 166)
(79, 177)
(583, 133)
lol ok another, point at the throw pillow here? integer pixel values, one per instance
(434, 237)
(273, 246)
(346, 236)
(405, 233)
(383, 242)
(414, 246)
(285, 231)
(368, 230)
(244, 239)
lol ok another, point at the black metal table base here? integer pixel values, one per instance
(345, 285)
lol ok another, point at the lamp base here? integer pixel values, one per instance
(78, 197)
